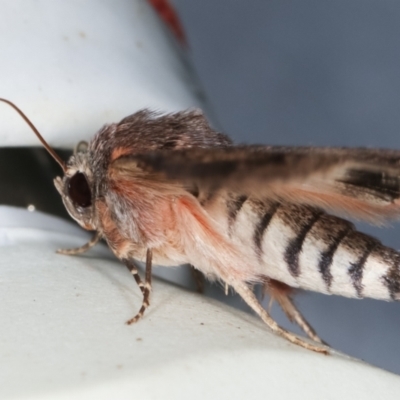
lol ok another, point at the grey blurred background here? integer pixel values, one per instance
(309, 73)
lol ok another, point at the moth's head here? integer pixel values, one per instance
(76, 188)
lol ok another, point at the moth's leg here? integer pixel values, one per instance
(248, 296)
(146, 288)
(281, 293)
(198, 279)
(130, 264)
(79, 250)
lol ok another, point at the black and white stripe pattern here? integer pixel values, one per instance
(363, 245)
(295, 245)
(391, 280)
(234, 205)
(304, 247)
(144, 287)
(338, 230)
(262, 226)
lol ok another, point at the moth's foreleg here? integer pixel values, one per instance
(79, 250)
(248, 296)
(130, 264)
(145, 288)
(281, 293)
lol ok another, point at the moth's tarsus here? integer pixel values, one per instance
(293, 314)
(248, 296)
(145, 288)
(83, 249)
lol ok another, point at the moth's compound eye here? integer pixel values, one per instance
(79, 191)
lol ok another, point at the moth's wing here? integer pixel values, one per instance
(364, 183)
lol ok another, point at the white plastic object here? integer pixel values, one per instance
(63, 335)
(73, 66)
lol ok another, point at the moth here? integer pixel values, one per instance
(171, 190)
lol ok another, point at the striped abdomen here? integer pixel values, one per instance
(307, 248)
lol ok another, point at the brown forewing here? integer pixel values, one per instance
(182, 150)
(361, 182)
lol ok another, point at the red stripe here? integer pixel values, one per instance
(168, 14)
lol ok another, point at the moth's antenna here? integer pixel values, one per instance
(47, 147)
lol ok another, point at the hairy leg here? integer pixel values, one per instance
(144, 287)
(79, 250)
(281, 293)
(248, 296)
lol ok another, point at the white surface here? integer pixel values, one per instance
(73, 66)
(63, 337)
